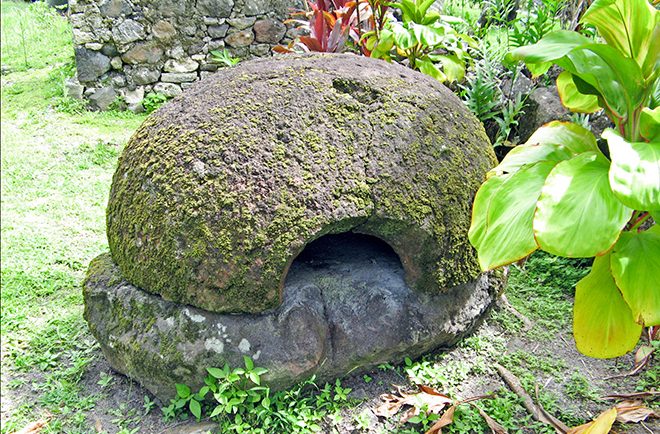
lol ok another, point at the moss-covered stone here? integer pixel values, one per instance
(220, 189)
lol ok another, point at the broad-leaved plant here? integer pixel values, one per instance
(569, 194)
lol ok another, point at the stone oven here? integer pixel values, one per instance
(310, 212)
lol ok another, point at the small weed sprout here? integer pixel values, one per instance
(152, 101)
(224, 57)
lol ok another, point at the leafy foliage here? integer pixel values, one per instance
(236, 399)
(562, 193)
(152, 101)
(224, 57)
(423, 40)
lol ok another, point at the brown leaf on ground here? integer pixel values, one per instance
(33, 427)
(601, 425)
(642, 358)
(446, 419)
(633, 412)
(427, 398)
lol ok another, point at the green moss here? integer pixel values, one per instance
(208, 208)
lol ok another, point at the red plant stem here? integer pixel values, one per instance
(640, 220)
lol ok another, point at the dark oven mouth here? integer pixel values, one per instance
(348, 260)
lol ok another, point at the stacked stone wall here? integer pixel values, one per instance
(126, 49)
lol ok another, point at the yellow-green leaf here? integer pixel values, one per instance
(523, 155)
(572, 99)
(649, 124)
(603, 325)
(635, 171)
(605, 71)
(575, 137)
(577, 214)
(630, 26)
(553, 46)
(501, 229)
(636, 268)
(601, 425)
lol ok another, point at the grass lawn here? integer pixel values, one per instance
(57, 164)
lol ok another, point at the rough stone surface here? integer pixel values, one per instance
(255, 7)
(163, 30)
(241, 23)
(218, 31)
(103, 98)
(143, 53)
(340, 304)
(219, 190)
(150, 34)
(145, 76)
(178, 77)
(114, 8)
(543, 106)
(270, 31)
(91, 64)
(127, 32)
(215, 8)
(183, 65)
(170, 90)
(240, 39)
(74, 89)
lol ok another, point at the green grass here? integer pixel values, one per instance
(57, 164)
(544, 289)
(33, 36)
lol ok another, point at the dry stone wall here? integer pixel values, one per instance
(126, 49)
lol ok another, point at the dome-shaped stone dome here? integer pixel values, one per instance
(219, 190)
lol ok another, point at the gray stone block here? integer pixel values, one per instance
(90, 64)
(175, 77)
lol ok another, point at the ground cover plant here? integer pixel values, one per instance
(57, 163)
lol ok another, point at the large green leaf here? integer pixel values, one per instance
(630, 26)
(603, 325)
(577, 214)
(636, 268)
(452, 66)
(555, 141)
(428, 36)
(635, 171)
(649, 124)
(427, 67)
(571, 135)
(403, 38)
(571, 98)
(551, 47)
(617, 79)
(501, 229)
(529, 154)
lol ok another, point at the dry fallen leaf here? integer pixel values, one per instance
(601, 425)
(495, 427)
(633, 412)
(34, 427)
(446, 419)
(427, 398)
